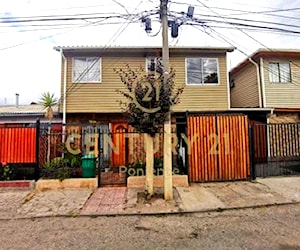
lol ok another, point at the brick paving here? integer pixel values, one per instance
(106, 200)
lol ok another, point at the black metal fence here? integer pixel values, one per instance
(119, 152)
(116, 153)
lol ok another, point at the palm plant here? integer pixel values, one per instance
(48, 100)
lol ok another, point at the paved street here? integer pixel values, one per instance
(260, 228)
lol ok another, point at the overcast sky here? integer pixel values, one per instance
(30, 66)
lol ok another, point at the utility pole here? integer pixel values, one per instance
(168, 179)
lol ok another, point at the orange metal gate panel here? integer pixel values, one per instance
(18, 145)
(260, 141)
(218, 148)
(119, 141)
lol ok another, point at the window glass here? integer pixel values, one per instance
(202, 71)
(279, 72)
(86, 69)
(153, 63)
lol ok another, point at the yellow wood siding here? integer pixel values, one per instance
(245, 92)
(282, 95)
(99, 97)
(102, 97)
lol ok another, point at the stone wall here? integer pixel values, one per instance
(284, 118)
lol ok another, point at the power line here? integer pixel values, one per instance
(274, 10)
(82, 26)
(74, 86)
(250, 29)
(245, 33)
(206, 21)
(54, 27)
(244, 12)
(239, 23)
(14, 20)
(10, 19)
(226, 39)
(43, 38)
(249, 5)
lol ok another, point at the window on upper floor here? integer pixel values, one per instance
(202, 71)
(86, 69)
(152, 64)
(279, 72)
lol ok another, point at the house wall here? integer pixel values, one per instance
(100, 118)
(282, 95)
(102, 97)
(245, 93)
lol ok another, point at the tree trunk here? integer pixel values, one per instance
(149, 163)
(49, 143)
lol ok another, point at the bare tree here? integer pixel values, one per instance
(148, 105)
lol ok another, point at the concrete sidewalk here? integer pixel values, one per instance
(125, 201)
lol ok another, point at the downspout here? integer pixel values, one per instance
(64, 96)
(258, 82)
(262, 77)
(228, 89)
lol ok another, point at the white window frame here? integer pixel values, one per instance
(202, 83)
(149, 58)
(82, 80)
(279, 76)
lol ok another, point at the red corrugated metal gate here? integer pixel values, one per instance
(18, 145)
(218, 148)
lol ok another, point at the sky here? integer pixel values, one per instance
(30, 66)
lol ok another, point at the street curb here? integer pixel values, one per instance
(94, 215)
(17, 184)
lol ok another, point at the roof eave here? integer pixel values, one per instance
(137, 48)
(264, 52)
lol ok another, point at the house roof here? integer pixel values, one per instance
(141, 49)
(21, 110)
(263, 53)
(287, 110)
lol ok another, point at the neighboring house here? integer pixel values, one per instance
(269, 78)
(89, 83)
(25, 115)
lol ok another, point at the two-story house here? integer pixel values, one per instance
(88, 93)
(269, 78)
(89, 83)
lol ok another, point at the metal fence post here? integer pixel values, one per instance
(99, 158)
(187, 155)
(252, 153)
(37, 150)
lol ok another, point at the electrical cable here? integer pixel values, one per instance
(73, 88)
